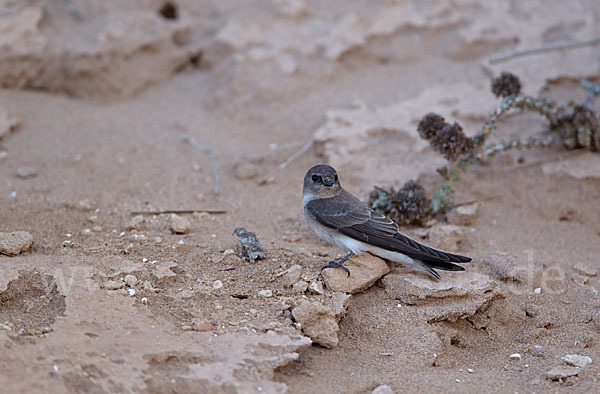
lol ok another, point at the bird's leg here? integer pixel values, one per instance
(340, 264)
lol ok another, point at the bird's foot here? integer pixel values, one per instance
(336, 264)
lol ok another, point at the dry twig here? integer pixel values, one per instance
(178, 212)
(304, 148)
(213, 159)
(543, 49)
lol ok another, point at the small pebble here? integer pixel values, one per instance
(300, 287)
(144, 300)
(180, 225)
(131, 292)
(469, 370)
(158, 240)
(316, 288)
(217, 285)
(201, 325)
(113, 285)
(537, 290)
(26, 172)
(515, 356)
(265, 293)
(131, 280)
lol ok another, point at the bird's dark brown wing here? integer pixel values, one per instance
(349, 216)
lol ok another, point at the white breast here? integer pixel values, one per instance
(355, 246)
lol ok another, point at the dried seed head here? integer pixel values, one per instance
(430, 124)
(506, 84)
(445, 138)
(406, 206)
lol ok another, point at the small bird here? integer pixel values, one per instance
(343, 220)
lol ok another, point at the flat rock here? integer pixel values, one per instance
(16, 242)
(364, 271)
(463, 215)
(445, 237)
(583, 166)
(456, 296)
(577, 360)
(562, 372)
(318, 322)
(180, 225)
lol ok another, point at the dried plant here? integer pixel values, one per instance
(575, 126)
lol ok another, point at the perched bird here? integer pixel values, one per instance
(343, 220)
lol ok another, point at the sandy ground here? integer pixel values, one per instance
(105, 93)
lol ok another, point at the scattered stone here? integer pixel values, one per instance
(252, 249)
(14, 243)
(131, 280)
(164, 269)
(576, 360)
(136, 223)
(456, 296)
(114, 285)
(97, 229)
(300, 287)
(383, 389)
(339, 303)
(131, 292)
(290, 276)
(84, 205)
(316, 287)
(515, 356)
(318, 322)
(537, 290)
(364, 270)
(217, 284)
(561, 372)
(144, 300)
(463, 215)
(265, 293)
(180, 225)
(26, 172)
(201, 325)
(585, 269)
(186, 328)
(445, 237)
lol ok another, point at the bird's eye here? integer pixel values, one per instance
(315, 178)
